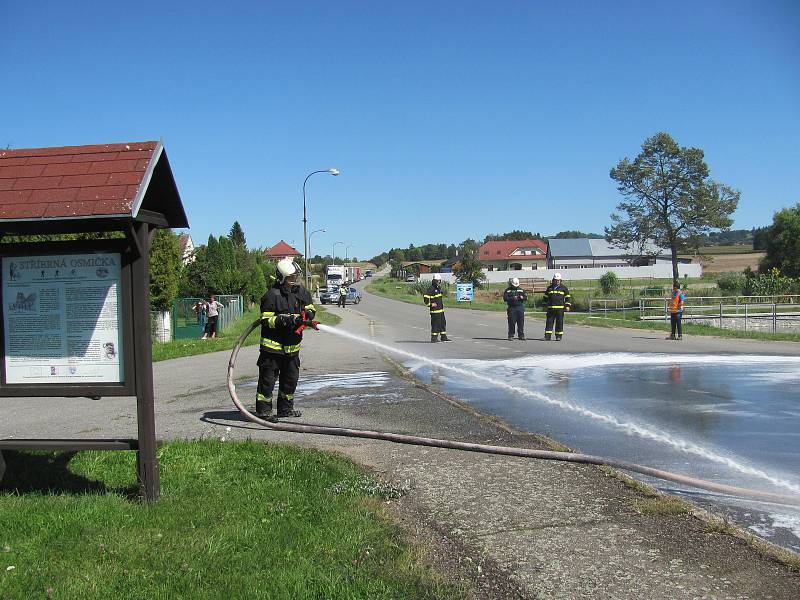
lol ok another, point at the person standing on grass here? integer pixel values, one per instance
(676, 312)
(212, 309)
(200, 309)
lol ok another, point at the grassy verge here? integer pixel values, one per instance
(226, 341)
(235, 520)
(396, 290)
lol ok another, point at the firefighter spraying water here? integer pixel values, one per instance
(286, 309)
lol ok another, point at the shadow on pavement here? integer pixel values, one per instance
(227, 418)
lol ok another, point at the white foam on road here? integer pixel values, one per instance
(642, 430)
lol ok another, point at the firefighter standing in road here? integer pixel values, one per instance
(515, 297)
(435, 301)
(342, 295)
(557, 298)
(279, 357)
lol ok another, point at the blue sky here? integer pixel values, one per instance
(447, 120)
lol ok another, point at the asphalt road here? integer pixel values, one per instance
(483, 335)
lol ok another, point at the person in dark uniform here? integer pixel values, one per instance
(279, 356)
(435, 301)
(343, 295)
(557, 298)
(515, 297)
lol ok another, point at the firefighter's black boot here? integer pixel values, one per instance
(286, 407)
(445, 338)
(546, 337)
(264, 408)
(558, 338)
(522, 338)
(434, 338)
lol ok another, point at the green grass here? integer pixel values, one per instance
(228, 338)
(395, 290)
(235, 520)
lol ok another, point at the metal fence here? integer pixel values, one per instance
(188, 322)
(776, 314)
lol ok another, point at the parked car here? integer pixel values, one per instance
(411, 279)
(331, 296)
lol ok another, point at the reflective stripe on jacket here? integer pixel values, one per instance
(677, 302)
(557, 296)
(434, 299)
(277, 338)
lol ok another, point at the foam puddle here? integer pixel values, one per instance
(562, 363)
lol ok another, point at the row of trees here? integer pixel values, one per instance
(222, 266)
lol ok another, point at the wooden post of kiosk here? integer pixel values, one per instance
(96, 347)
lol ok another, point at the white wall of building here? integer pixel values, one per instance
(659, 271)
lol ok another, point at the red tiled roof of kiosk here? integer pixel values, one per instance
(502, 250)
(73, 181)
(281, 249)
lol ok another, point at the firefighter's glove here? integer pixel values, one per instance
(286, 321)
(310, 314)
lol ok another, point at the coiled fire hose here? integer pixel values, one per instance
(572, 457)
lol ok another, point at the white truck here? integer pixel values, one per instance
(335, 275)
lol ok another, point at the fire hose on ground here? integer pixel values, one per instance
(572, 457)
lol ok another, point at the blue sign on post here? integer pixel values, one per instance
(465, 292)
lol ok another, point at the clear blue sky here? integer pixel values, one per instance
(447, 120)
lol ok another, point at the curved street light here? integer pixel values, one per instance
(311, 235)
(334, 172)
(334, 250)
(345, 251)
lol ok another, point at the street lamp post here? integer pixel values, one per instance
(333, 172)
(345, 251)
(311, 235)
(334, 250)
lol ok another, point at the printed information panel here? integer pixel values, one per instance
(465, 292)
(61, 318)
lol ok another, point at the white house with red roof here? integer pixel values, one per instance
(281, 250)
(513, 255)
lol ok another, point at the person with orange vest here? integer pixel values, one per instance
(676, 312)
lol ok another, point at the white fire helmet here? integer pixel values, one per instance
(514, 281)
(286, 268)
(557, 276)
(437, 276)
